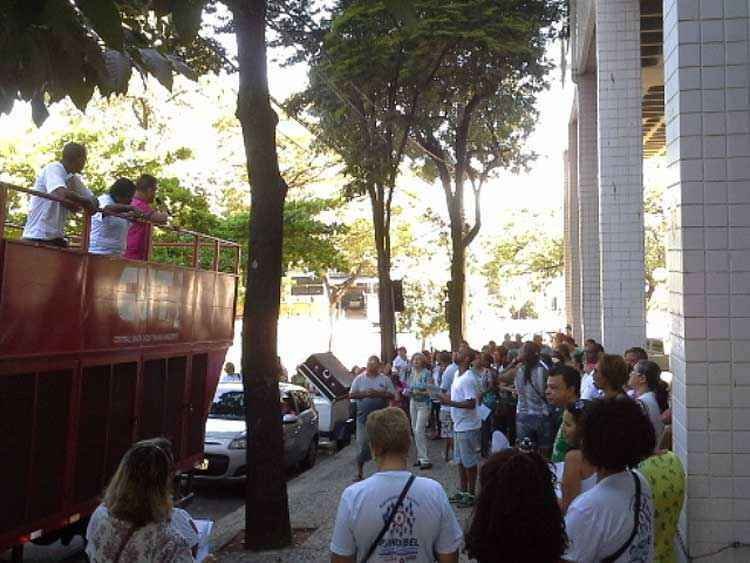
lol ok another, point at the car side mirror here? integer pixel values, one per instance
(290, 418)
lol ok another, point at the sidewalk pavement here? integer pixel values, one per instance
(313, 500)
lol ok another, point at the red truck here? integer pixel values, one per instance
(97, 352)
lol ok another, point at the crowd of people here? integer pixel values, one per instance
(562, 452)
(124, 234)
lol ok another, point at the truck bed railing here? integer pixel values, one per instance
(199, 241)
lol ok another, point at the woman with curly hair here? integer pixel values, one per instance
(517, 517)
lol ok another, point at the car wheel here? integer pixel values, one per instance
(312, 454)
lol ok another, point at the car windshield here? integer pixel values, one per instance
(229, 405)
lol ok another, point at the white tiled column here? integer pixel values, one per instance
(708, 134)
(573, 258)
(588, 207)
(618, 51)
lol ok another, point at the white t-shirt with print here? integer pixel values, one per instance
(47, 218)
(600, 521)
(424, 524)
(464, 388)
(109, 235)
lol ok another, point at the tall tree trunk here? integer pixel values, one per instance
(267, 507)
(385, 292)
(457, 292)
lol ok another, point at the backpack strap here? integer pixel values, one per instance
(636, 517)
(389, 520)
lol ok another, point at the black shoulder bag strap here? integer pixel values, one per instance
(637, 513)
(389, 520)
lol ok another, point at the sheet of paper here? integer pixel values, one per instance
(204, 535)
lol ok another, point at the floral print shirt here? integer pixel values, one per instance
(153, 543)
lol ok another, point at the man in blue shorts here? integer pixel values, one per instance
(467, 424)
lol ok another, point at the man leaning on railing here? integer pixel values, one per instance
(47, 218)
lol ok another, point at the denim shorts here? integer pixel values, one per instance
(466, 446)
(536, 427)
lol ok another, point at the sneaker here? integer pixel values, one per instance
(457, 497)
(425, 465)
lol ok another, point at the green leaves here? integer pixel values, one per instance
(105, 19)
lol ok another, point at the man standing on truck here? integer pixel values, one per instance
(145, 194)
(47, 219)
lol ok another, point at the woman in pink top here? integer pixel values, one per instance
(138, 233)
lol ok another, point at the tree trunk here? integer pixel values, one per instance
(385, 292)
(457, 292)
(267, 508)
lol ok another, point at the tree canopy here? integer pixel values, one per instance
(54, 49)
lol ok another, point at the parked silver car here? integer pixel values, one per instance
(226, 440)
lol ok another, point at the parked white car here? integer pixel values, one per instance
(226, 439)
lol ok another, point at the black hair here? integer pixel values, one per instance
(617, 434)
(571, 376)
(72, 151)
(146, 182)
(652, 372)
(640, 353)
(123, 187)
(577, 410)
(517, 517)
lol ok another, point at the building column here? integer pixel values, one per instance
(572, 224)
(707, 98)
(618, 50)
(588, 207)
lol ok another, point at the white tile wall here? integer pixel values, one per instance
(707, 77)
(588, 205)
(618, 50)
(573, 261)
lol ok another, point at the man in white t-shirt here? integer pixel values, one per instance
(46, 221)
(424, 527)
(446, 421)
(109, 234)
(372, 390)
(601, 522)
(467, 424)
(589, 391)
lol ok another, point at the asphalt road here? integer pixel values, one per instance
(211, 501)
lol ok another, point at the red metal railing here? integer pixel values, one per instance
(199, 241)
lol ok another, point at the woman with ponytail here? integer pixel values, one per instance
(650, 392)
(517, 517)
